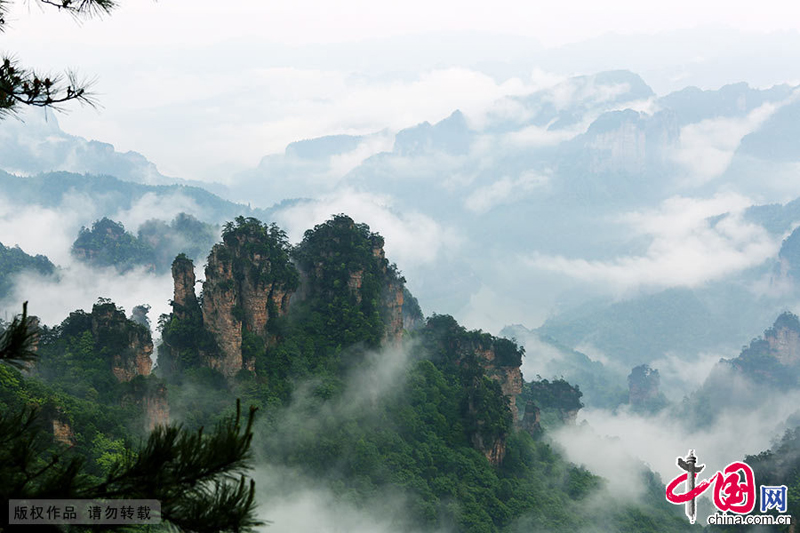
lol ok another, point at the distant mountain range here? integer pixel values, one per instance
(528, 209)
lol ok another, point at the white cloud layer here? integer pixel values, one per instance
(608, 442)
(79, 286)
(707, 147)
(505, 190)
(412, 238)
(687, 248)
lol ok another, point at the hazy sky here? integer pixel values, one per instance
(197, 22)
(205, 88)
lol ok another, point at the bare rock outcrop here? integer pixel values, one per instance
(249, 280)
(131, 344)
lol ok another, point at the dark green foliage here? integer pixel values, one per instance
(17, 339)
(347, 276)
(182, 332)
(420, 440)
(77, 355)
(452, 341)
(341, 311)
(424, 434)
(251, 238)
(556, 394)
(108, 244)
(14, 260)
(780, 466)
(412, 312)
(557, 400)
(199, 479)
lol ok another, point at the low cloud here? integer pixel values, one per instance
(265, 109)
(411, 237)
(707, 147)
(79, 286)
(505, 190)
(681, 373)
(163, 207)
(294, 503)
(43, 230)
(687, 246)
(607, 442)
(51, 231)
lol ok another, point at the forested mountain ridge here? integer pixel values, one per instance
(108, 244)
(13, 260)
(314, 336)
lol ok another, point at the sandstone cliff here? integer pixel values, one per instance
(249, 281)
(478, 356)
(149, 395)
(507, 374)
(643, 385)
(784, 340)
(130, 344)
(775, 358)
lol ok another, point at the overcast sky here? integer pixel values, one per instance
(205, 88)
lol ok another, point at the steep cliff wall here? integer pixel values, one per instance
(509, 376)
(156, 408)
(184, 298)
(149, 395)
(221, 315)
(249, 280)
(775, 358)
(643, 385)
(784, 342)
(130, 344)
(348, 280)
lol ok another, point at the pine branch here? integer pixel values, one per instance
(86, 8)
(19, 86)
(4, 4)
(198, 478)
(17, 342)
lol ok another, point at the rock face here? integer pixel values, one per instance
(531, 420)
(150, 396)
(392, 302)
(130, 343)
(63, 432)
(501, 363)
(784, 341)
(219, 306)
(775, 358)
(247, 283)
(643, 385)
(249, 280)
(627, 141)
(482, 358)
(184, 281)
(156, 408)
(508, 376)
